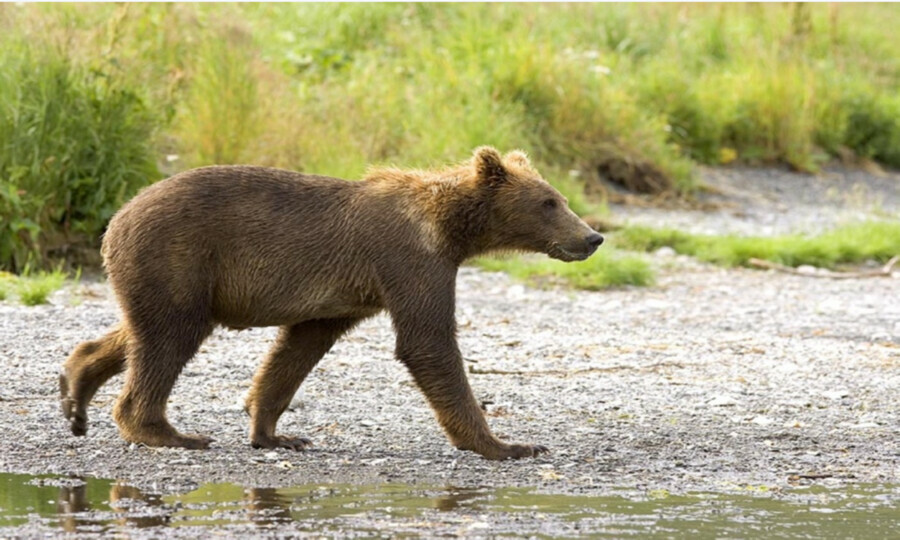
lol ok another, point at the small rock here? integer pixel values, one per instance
(761, 420)
(665, 252)
(835, 394)
(297, 402)
(722, 400)
(800, 403)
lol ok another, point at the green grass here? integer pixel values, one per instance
(607, 268)
(616, 266)
(33, 288)
(94, 97)
(878, 241)
(6, 281)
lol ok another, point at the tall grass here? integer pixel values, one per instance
(75, 146)
(218, 117)
(634, 93)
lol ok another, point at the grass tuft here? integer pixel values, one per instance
(605, 269)
(6, 281)
(34, 288)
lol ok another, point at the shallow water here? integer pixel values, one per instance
(30, 504)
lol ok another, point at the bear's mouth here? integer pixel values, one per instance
(560, 253)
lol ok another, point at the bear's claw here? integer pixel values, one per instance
(509, 451)
(519, 451)
(281, 441)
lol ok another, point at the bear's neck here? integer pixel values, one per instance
(462, 215)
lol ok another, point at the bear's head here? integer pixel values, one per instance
(526, 212)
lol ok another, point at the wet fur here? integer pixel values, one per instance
(245, 246)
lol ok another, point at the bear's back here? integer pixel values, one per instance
(223, 204)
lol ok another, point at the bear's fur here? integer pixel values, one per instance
(243, 246)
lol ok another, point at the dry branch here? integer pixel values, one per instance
(885, 271)
(564, 373)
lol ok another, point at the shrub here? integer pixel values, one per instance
(76, 144)
(873, 128)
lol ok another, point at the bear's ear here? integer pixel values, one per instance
(518, 157)
(489, 165)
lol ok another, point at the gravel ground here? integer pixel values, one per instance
(713, 376)
(711, 380)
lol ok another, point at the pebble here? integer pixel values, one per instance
(722, 400)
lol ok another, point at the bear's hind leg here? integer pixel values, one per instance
(90, 365)
(156, 356)
(297, 351)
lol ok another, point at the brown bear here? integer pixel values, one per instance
(243, 246)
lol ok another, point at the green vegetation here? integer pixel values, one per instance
(848, 244)
(99, 100)
(75, 146)
(6, 280)
(607, 268)
(32, 288)
(615, 264)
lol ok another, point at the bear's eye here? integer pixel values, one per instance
(550, 204)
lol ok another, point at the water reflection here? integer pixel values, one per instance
(31, 505)
(130, 507)
(136, 509)
(265, 506)
(71, 503)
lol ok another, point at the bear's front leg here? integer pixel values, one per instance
(426, 344)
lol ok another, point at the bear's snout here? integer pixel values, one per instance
(594, 240)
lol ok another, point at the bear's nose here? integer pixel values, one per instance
(594, 240)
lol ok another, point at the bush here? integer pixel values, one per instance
(873, 128)
(75, 146)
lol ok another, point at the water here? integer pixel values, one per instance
(31, 505)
